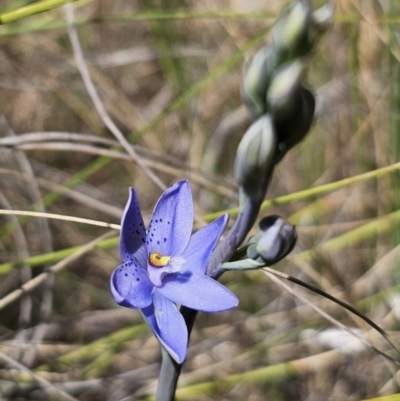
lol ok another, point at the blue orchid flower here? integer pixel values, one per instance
(166, 266)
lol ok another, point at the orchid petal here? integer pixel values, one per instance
(130, 286)
(202, 243)
(172, 221)
(133, 234)
(198, 292)
(168, 325)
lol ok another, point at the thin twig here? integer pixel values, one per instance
(55, 136)
(150, 162)
(80, 62)
(60, 217)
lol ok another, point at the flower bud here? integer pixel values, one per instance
(275, 238)
(291, 131)
(256, 80)
(285, 90)
(297, 31)
(255, 154)
(291, 105)
(290, 33)
(293, 36)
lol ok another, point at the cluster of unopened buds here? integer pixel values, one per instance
(165, 265)
(276, 96)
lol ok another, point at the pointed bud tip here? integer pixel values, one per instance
(322, 18)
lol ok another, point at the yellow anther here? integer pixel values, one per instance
(157, 260)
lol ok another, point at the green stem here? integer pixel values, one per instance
(32, 9)
(314, 192)
(168, 378)
(170, 370)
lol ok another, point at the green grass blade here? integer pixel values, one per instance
(32, 9)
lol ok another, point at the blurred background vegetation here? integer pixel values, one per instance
(168, 73)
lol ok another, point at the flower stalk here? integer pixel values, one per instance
(166, 265)
(283, 107)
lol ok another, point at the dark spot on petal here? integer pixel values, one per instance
(160, 220)
(158, 242)
(138, 279)
(137, 232)
(126, 274)
(169, 222)
(165, 240)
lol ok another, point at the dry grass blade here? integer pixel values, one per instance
(54, 136)
(80, 197)
(41, 278)
(80, 61)
(60, 217)
(271, 273)
(48, 387)
(115, 154)
(168, 79)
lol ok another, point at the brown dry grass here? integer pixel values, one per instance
(172, 87)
